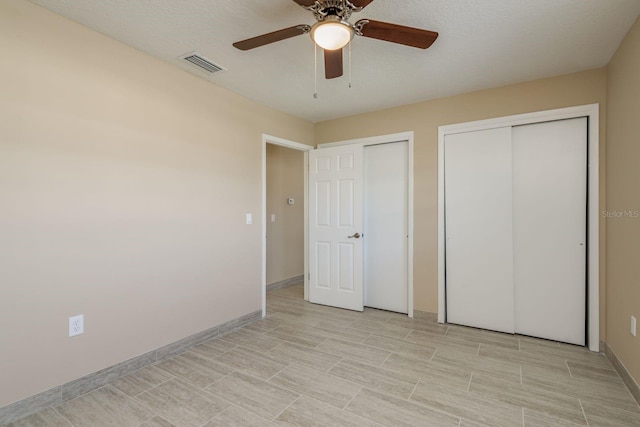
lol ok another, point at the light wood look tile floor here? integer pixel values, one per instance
(309, 365)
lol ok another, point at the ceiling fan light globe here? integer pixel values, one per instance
(331, 35)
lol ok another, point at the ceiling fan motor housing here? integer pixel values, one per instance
(340, 8)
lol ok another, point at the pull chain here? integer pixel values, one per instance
(349, 64)
(315, 71)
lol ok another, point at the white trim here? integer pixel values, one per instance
(373, 140)
(410, 229)
(285, 143)
(306, 225)
(593, 212)
(263, 234)
(269, 139)
(385, 139)
(590, 111)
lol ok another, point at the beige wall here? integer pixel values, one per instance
(424, 118)
(124, 184)
(623, 194)
(285, 236)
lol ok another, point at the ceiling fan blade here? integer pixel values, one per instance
(273, 37)
(333, 63)
(394, 33)
(361, 3)
(306, 3)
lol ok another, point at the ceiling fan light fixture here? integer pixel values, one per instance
(332, 33)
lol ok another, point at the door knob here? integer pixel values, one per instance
(355, 236)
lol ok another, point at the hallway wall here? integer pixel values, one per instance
(285, 236)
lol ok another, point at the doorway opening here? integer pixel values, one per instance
(285, 216)
(284, 221)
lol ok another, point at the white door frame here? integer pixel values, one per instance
(385, 139)
(268, 139)
(590, 111)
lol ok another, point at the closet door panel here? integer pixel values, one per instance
(385, 226)
(549, 229)
(479, 240)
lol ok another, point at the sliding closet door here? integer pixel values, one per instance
(549, 229)
(385, 226)
(479, 240)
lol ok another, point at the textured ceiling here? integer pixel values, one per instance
(482, 44)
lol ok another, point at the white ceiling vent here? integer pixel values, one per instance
(202, 63)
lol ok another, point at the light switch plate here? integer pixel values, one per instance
(249, 219)
(633, 326)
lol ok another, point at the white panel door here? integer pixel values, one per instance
(478, 229)
(335, 227)
(549, 219)
(385, 226)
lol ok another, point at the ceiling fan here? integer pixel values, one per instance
(333, 31)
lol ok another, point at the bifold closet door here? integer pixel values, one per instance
(549, 229)
(478, 229)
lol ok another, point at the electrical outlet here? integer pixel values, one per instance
(633, 326)
(76, 325)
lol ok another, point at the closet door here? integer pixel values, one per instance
(479, 239)
(385, 226)
(549, 229)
